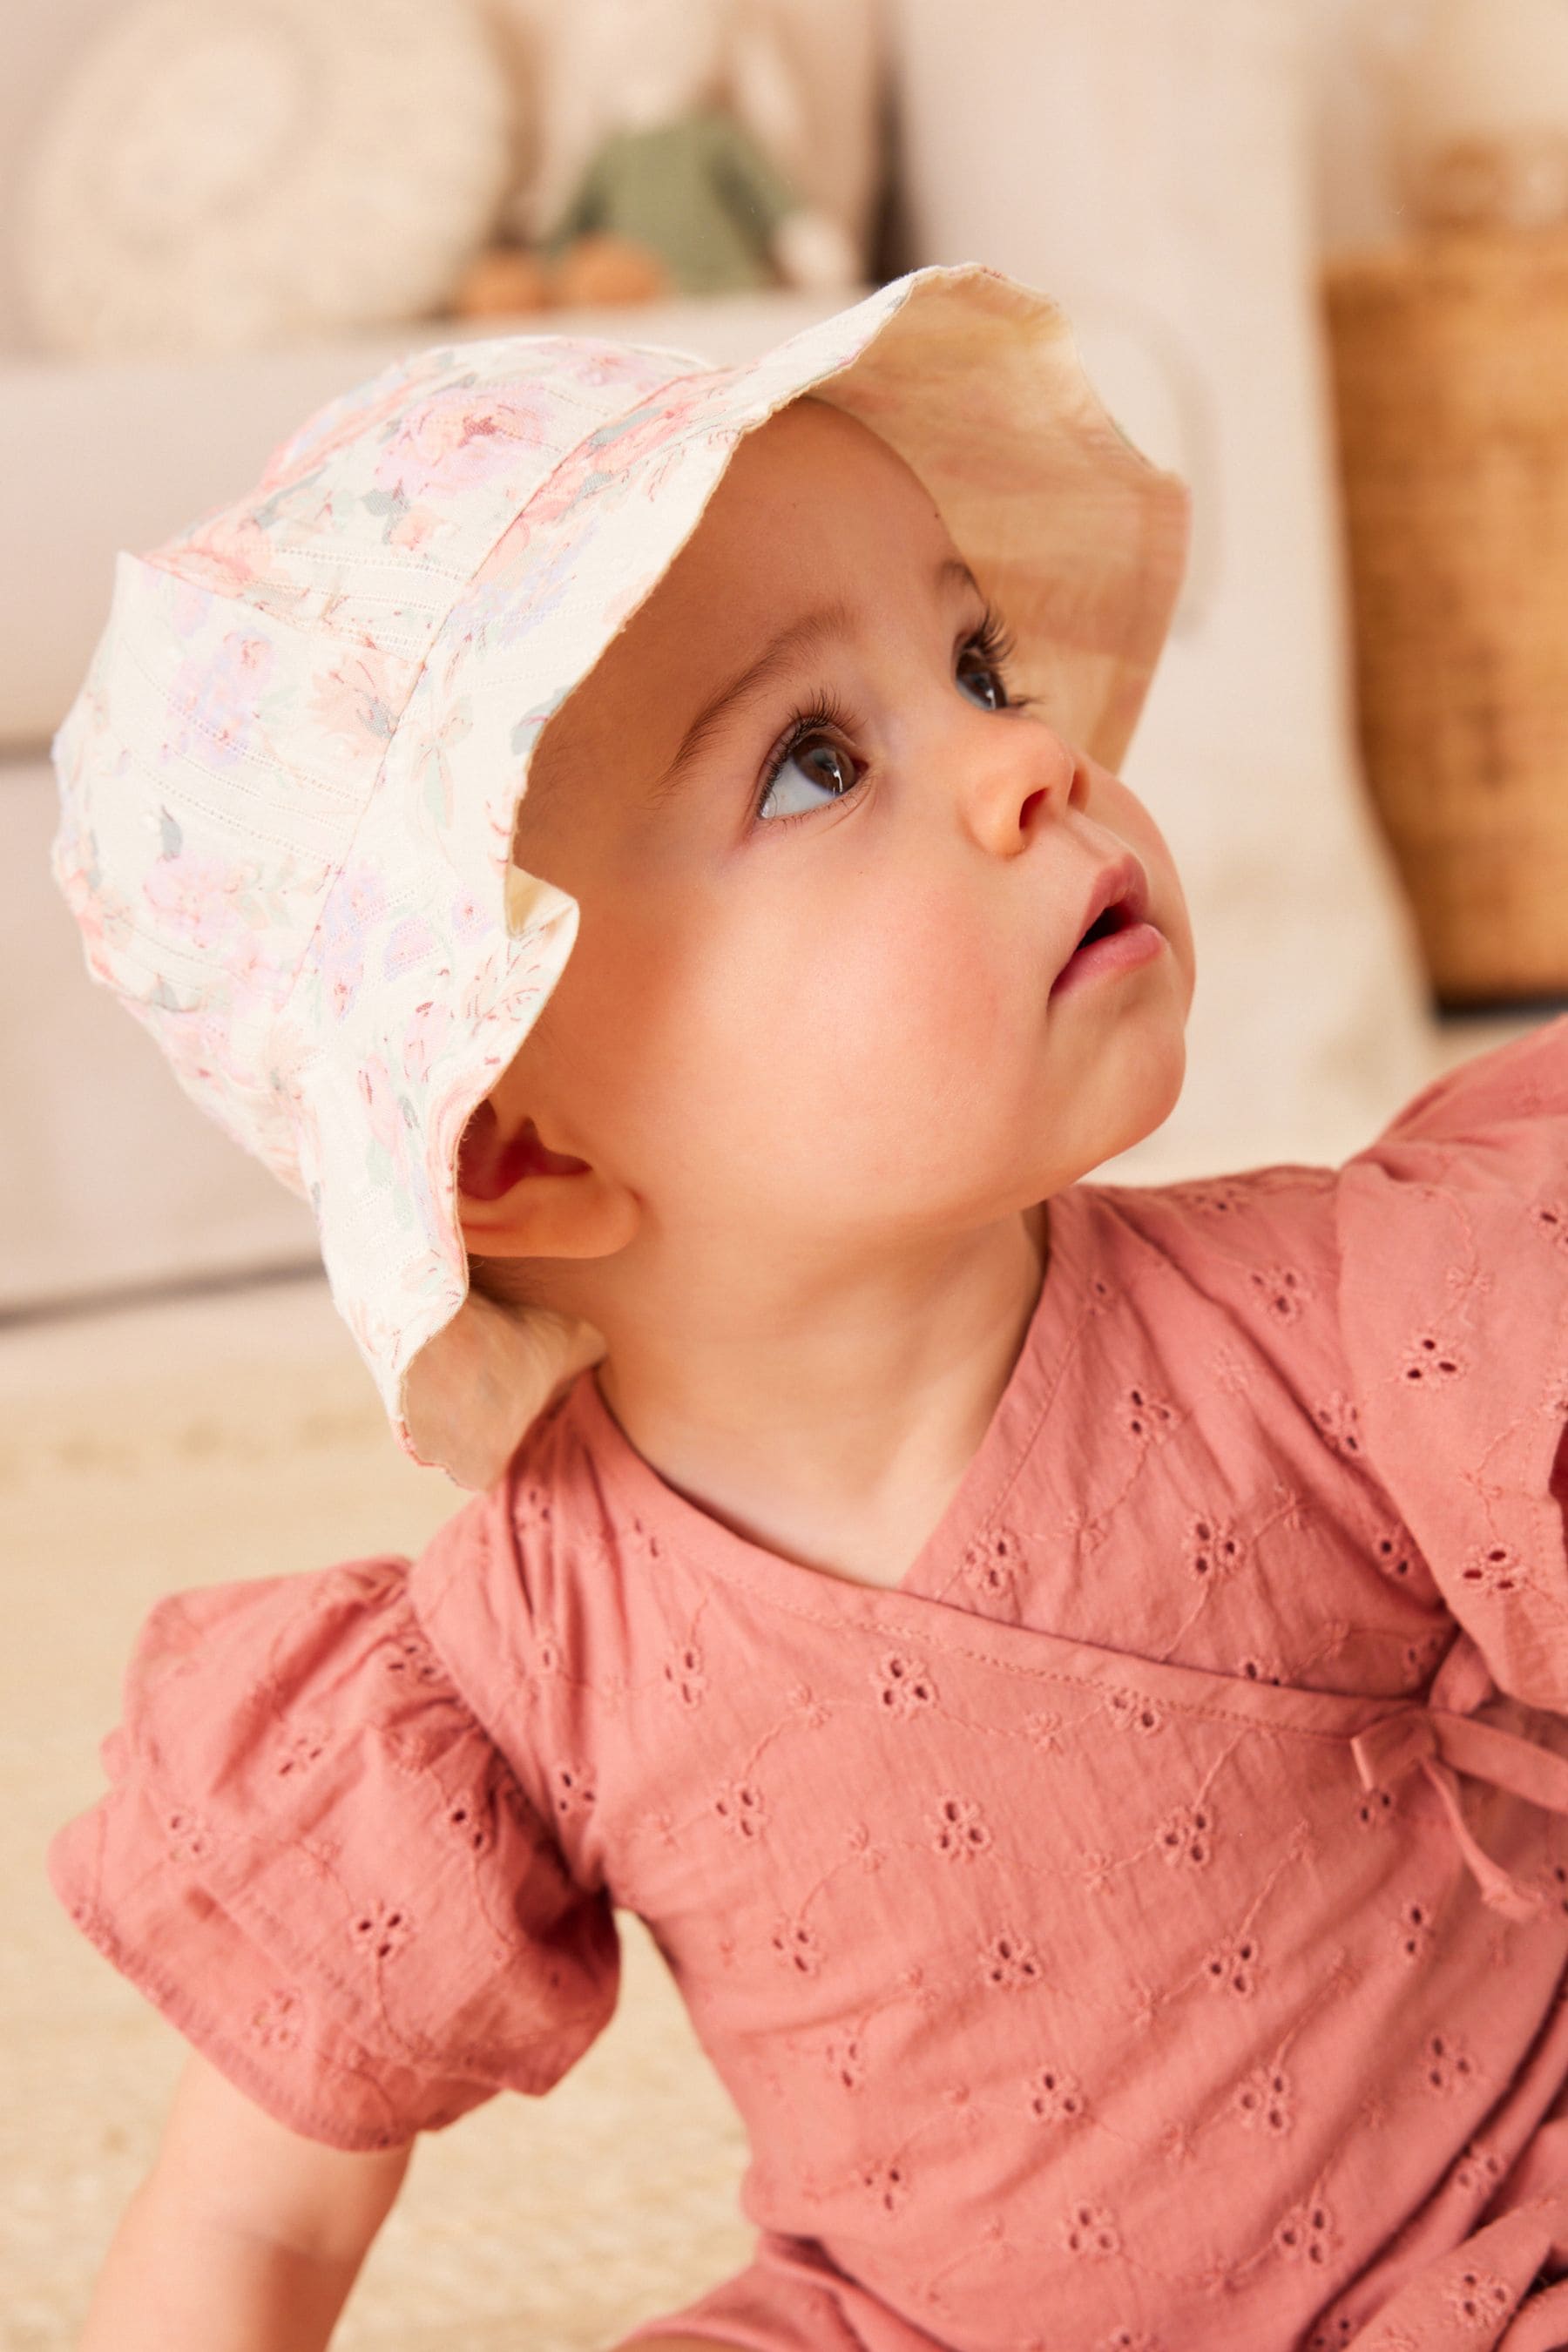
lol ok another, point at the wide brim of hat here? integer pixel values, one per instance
(1079, 541)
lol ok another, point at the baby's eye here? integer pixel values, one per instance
(815, 762)
(986, 676)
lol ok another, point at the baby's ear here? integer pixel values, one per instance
(516, 1198)
(491, 1158)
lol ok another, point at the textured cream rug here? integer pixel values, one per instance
(232, 1436)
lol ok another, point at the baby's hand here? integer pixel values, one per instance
(244, 2237)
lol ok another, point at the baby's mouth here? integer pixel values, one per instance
(1115, 918)
(1121, 897)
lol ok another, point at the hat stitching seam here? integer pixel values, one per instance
(417, 566)
(160, 558)
(245, 611)
(241, 758)
(242, 831)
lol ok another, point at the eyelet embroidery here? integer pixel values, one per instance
(1186, 1835)
(408, 1656)
(845, 2060)
(1307, 2235)
(743, 1809)
(1280, 1290)
(642, 1538)
(302, 1748)
(1213, 1551)
(1446, 2063)
(467, 1819)
(902, 1683)
(684, 1676)
(1130, 1711)
(992, 1563)
(1055, 2095)
(382, 1928)
(1216, 1200)
(1008, 1960)
(1496, 1569)
(189, 1838)
(1480, 2298)
(1479, 2170)
(1091, 2230)
(1412, 1930)
(1265, 2102)
(960, 1833)
(571, 1785)
(1429, 1363)
(887, 2183)
(1394, 1556)
(795, 1943)
(1232, 1966)
(533, 1504)
(1340, 1420)
(1146, 1417)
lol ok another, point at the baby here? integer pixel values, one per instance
(1015, 1641)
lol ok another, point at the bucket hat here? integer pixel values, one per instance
(289, 782)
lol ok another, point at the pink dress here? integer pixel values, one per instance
(1142, 1928)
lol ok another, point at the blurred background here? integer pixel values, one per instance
(1316, 254)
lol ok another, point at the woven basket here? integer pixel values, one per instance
(1450, 380)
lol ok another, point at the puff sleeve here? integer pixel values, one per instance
(319, 1866)
(1452, 1229)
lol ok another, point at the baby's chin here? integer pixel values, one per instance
(1115, 1108)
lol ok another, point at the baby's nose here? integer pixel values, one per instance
(1022, 779)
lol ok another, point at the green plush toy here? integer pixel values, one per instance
(699, 192)
(672, 172)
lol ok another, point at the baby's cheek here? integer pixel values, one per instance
(870, 1031)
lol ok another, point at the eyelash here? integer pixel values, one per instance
(996, 646)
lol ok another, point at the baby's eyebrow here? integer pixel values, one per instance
(778, 656)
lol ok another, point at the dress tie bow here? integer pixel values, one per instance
(1444, 1744)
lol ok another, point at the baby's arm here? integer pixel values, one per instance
(245, 2237)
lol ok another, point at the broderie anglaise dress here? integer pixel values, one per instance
(1140, 1929)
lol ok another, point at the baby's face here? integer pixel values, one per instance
(813, 1000)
